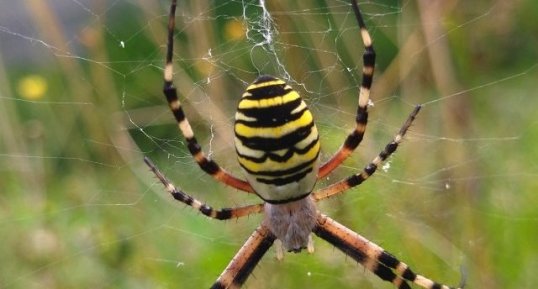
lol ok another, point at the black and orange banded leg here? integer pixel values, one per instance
(359, 178)
(207, 165)
(220, 214)
(361, 120)
(237, 272)
(371, 256)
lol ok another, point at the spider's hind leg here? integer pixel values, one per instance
(207, 165)
(361, 120)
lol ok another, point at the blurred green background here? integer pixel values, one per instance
(80, 105)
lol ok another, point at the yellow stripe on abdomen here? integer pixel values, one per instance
(268, 102)
(270, 166)
(246, 131)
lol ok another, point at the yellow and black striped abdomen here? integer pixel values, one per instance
(276, 141)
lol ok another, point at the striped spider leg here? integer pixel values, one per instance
(357, 179)
(355, 137)
(373, 257)
(250, 253)
(207, 165)
(277, 145)
(219, 214)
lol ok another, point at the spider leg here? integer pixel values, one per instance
(357, 179)
(220, 214)
(371, 256)
(241, 266)
(207, 165)
(361, 120)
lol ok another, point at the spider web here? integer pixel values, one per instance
(81, 105)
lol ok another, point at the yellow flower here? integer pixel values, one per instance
(32, 87)
(234, 30)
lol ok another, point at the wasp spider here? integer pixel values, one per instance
(277, 145)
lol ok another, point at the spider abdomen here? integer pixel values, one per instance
(276, 140)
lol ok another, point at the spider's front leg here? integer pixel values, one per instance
(237, 272)
(371, 256)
